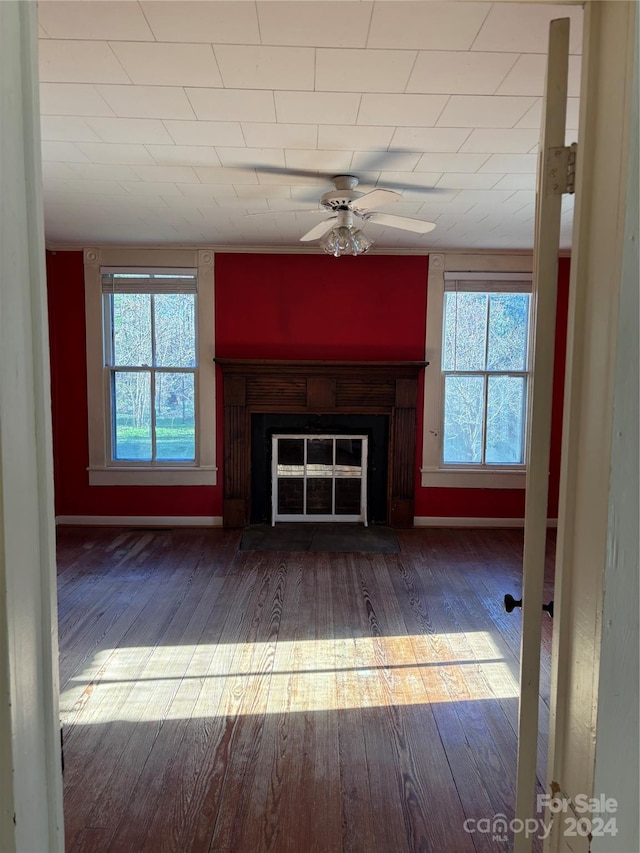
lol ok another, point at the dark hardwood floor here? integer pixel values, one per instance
(218, 700)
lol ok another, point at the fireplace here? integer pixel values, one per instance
(376, 399)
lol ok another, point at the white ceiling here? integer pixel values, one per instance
(156, 117)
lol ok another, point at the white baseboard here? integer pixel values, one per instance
(140, 520)
(453, 521)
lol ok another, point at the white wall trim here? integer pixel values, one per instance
(473, 266)
(455, 521)
(139, 520)
(126, 476)
(455, 478)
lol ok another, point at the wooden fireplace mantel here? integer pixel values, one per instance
(319, 387)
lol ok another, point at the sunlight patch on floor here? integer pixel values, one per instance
(144, 684)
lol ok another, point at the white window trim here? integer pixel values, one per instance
(101, 471)
(497, 268)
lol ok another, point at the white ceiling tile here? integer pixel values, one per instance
(289, 179)
(67, 129)
(361, 138)
(184, 155)
(501, 141)
(390, 161)
(41, 32)
(518, 199)
(573, 112)
(117, 19)
(459, 72)
(56, 171)
(168, 64)
(532, 118)
(520, 181)
(475, 196)
(419, 180)
(461, 181)
(433, 139)
(450, 162)
(524, 27)
(321, 161)
(527, 76)
(483, 111)
(260, 135)
(104, 152)
(63, 152)
(64, 61)
(258, 67)
(232, 104)
(72, 99)
(317, 26)
(103, 172)
(394, 110)
(249, 191)
(426, 26)
(147, 101)
(251, 157)
(140, 130)
(83, 186)
(205, 132)
(317, 107)
(160, 174)
(203, 195)
(151, 188)
(222, 176)
(362, 70)
(218, 22)
(517, 163)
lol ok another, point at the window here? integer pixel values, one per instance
(151, 359)
(477, 382)
(484, 373)
(150, 370)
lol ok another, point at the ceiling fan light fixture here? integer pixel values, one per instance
(345, 240)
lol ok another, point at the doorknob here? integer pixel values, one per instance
(510, 603)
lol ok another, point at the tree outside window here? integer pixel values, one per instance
(151, 355)
(485, 374)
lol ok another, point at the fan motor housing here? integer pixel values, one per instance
(339, 199)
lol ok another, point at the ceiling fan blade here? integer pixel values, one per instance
(317, 210)
(404, 222)
(318, 230)
(375, 198)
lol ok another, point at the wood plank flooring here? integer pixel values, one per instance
(239, 702)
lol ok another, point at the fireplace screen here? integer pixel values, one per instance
(319, 478)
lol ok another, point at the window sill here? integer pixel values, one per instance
(165, 476)
(456, 478)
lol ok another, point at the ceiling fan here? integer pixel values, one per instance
(345, 203)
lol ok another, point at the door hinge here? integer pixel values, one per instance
(561, 169)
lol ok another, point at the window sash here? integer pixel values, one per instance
(470, 283)
(145, 286)
(107, 331)
(486, 376)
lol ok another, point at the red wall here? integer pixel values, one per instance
(318, 307)
(269, 306)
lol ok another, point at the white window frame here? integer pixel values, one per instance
(103, 471)
(501, 270)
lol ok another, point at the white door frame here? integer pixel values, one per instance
(30, 767)
(593, 553)
(544, 300)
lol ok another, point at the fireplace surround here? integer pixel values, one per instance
(328, 388)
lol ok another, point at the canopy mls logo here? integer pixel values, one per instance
(581, 816)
